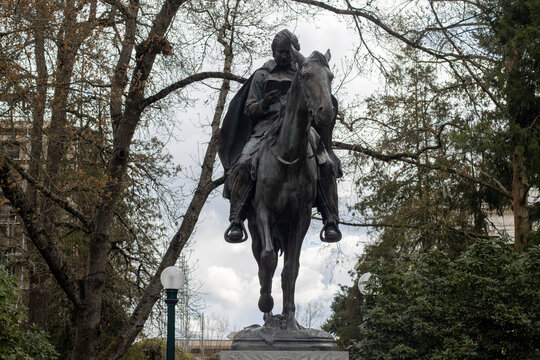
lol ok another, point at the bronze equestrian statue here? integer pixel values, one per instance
(285, 165)
(251, 113)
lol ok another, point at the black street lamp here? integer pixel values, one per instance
(366, 292)
(362, 284)
(172, 279)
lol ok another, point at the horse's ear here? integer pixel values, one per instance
(297, 57)
(327, 55)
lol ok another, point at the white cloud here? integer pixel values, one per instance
(224, 284)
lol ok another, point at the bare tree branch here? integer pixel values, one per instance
(53, 257)
(373, 19)
(414, 227)
(120, 7)
(374, 225)
(395, 156)
(187, 81)
(413, 160)
(465, 63)
(64, 204)
(119, 79)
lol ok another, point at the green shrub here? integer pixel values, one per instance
(481, 304)
(153, 349)
(17, 341)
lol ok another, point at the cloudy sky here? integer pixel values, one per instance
(227, 273)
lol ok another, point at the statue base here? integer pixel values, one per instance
(274, 337)
(284, 355)
(274, 341)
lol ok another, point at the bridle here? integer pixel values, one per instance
(309, 104)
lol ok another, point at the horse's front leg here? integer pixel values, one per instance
(291, 267)
(267, 262)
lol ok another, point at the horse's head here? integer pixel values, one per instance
(315, 80)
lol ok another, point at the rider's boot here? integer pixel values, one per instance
(330, 232)
(327, 203)
(235, 233)
(240, 192)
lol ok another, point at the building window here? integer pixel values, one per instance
(7, 215)
(13, 150)
(5, 230)
(10, 270)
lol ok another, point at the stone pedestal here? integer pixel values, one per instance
(283, 355)
(274, 341)
(274, 338)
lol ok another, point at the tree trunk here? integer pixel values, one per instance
(88, 317)
(38, 296)
(205, 186)
(522, 226)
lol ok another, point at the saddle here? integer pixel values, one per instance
(315, 149)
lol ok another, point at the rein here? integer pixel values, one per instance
(283, 161)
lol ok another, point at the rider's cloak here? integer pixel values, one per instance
(237, 128)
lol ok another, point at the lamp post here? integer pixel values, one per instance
(362, 282)
(362, 287)
(172, 279)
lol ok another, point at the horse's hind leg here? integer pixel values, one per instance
(267, 262)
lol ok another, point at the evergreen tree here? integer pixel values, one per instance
(480, 304)
(488, 53)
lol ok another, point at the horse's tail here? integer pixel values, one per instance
(279, 243)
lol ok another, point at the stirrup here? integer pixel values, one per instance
(321, 234)
(244, 233)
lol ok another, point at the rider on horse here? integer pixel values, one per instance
(251, 113)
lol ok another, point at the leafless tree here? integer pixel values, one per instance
(91, 74)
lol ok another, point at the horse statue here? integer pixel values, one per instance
(286, 182)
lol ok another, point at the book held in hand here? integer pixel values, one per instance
(281, 85)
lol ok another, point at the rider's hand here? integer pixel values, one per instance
(270, 98)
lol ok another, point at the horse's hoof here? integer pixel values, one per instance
(292, 324)
(266, 303)
(331, 234)
(267, 316)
